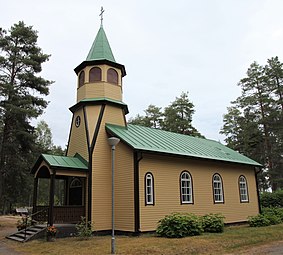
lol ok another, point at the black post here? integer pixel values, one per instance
(34, 200)
(51, 199)
(26, 223)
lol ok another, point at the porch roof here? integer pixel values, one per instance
(76, 162)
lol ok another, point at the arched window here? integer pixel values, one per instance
(149, 189)
(186, 189)
(217, 189)
(76, 183)
(81, 78)
(95, 74)
(76, 192)
(243, 189)
(112, 76)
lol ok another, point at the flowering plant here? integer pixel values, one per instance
(23, 223)
(51, 230)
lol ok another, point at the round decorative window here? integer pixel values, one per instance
(78, 121)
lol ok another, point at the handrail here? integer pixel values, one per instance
(44, 209)
(30, 216)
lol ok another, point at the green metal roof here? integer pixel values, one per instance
(100, 48)
(103, 99)
(156, 140)
(71, 163)
(99, 100)
(65, 162)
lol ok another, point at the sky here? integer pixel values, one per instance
(202, 47)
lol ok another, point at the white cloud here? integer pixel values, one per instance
(203, 47)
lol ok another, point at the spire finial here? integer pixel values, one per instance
(101, 15)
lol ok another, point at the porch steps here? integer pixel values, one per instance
(31, 233)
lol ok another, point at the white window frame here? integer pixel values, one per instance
(243, 189)
(149, 189)
(218, 196)
(186, 188)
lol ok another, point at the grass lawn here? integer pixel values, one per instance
(234, 240)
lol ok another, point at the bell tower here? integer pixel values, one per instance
(100, 76)
(99, 96)
(99, 101)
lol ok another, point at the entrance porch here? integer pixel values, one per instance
(60, 185)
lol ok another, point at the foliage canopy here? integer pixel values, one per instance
(22, 92)
(253, 124)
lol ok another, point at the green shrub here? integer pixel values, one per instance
(84, 228)
(213, 223)
(279, 213)
(259, 220)
(272, 199)
(178, 225)
(274, 215)
(273, 219)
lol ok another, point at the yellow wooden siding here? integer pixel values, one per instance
(99, 89)
(78, 141)
(92, 113)
(124, 188)
(104, 69)
(101, 171)
(166, 172)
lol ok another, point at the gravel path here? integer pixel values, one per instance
(4, 248)
(8, 227)
(275, 248)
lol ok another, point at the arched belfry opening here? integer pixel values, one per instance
(95, 74)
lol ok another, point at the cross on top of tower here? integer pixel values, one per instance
(101, 15)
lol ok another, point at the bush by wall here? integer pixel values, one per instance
(275, 215)
(213, 223)
(178, 225)
(272, 199)
(269, 216)
(259, 220)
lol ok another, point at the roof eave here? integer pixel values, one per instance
(137, 148)
(100, 62)
(42, 158)
(195, 157)
(99, 101)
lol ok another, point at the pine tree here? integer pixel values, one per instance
(153, 117)
(178, 116)
(253, 125)
(21, 91)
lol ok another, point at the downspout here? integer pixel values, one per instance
(137, 158)
(257, 188)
